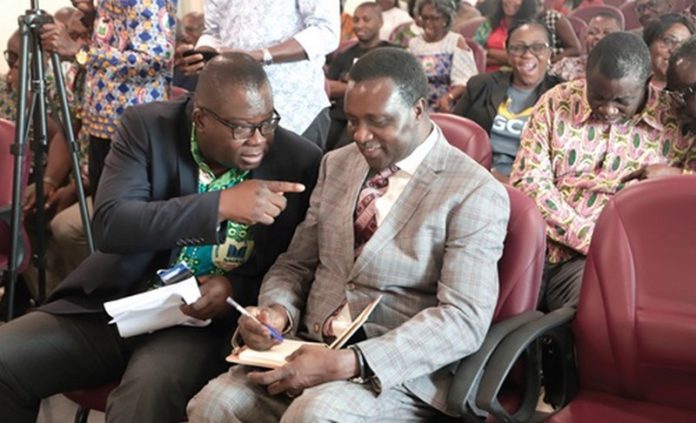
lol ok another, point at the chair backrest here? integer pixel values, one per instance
(467, 136)
(631, 21)
(468, 28)
(479, 54)
(178, 92)
(7, 133)
(615, 3)
(635, 326)
(579, 27)
(587, 13)
(522, 264)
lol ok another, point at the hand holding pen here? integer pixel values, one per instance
(275, 334)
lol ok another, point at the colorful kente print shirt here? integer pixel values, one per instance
(129, 60)
(238, 244)
(572, 165)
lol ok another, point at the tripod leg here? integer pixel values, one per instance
(19, 151)
(74, 149)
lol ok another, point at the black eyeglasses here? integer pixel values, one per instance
(10, 57)
(680, 95)
(242, 132)
(521, 49)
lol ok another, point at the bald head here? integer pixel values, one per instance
(230, 71)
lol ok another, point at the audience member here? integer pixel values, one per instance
(177, 169)
(447, 60)
(128, 61)
(492, 33)
(663, 36)
(584, 141)
(402, 35)
(681, 81)
(649, 11)
(393, 16)
(501, 102)
(291, 39)
(564, 41)
(188, 31)
(367, 20)
(571, 68)
(432, 258)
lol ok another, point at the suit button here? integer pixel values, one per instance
(316, 327)
(350, 286)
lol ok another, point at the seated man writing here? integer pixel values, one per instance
(184, 182)
(584, 141)
(399, 214)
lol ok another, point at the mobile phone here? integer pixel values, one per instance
(207, 54)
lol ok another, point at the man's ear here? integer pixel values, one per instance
(420, 108)
(196, 116)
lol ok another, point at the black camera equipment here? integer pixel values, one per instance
(31, 65)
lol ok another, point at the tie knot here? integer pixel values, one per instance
(381, 179)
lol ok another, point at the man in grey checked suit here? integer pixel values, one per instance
(433, 258)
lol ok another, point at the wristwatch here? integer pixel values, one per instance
(267, 57)
(363, 375)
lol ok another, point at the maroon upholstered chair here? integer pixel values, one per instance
(615, 3)
(589, 12)
(7, 132)
(479, 54)
(468, 28)
(628, 10)
(90, 399)
(634, 329)
(466, 135)
(520, 269)
(579, 27)
(178, 92)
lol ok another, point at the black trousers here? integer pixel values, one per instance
(43, 354)
(98, 149)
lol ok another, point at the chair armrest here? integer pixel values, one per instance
(526, 338)
(461, 393)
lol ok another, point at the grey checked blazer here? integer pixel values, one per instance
(433, 259)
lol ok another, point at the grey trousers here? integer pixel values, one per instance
(561, 282)
(318, 130)
(233, 398)
(43, 354)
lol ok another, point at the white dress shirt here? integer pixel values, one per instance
(399, 180)
(298, 87)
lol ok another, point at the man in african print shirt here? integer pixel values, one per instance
(585, 141)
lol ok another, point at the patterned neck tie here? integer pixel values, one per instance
(366, 211)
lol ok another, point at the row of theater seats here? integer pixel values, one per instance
(634, 327)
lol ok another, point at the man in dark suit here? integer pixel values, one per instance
(211, 181)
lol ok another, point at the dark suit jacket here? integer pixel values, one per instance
(485, 92)
(148, 206)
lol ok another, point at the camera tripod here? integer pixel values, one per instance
(31, 65)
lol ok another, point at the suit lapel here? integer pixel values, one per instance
(186, 166)
(406, 204)
(352, 183)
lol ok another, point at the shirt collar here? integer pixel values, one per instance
(412, 161)
(649, 114)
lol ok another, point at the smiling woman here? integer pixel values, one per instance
(663, 37)
(501, 101)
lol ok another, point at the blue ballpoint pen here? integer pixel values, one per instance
(274, 332)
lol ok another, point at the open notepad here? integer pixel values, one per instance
(275, 357)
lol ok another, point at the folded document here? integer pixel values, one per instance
(155, 309)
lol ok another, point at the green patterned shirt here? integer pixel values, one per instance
(238, 244)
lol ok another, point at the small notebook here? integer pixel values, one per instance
(275, 357)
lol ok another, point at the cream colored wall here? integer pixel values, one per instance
(11, 9)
